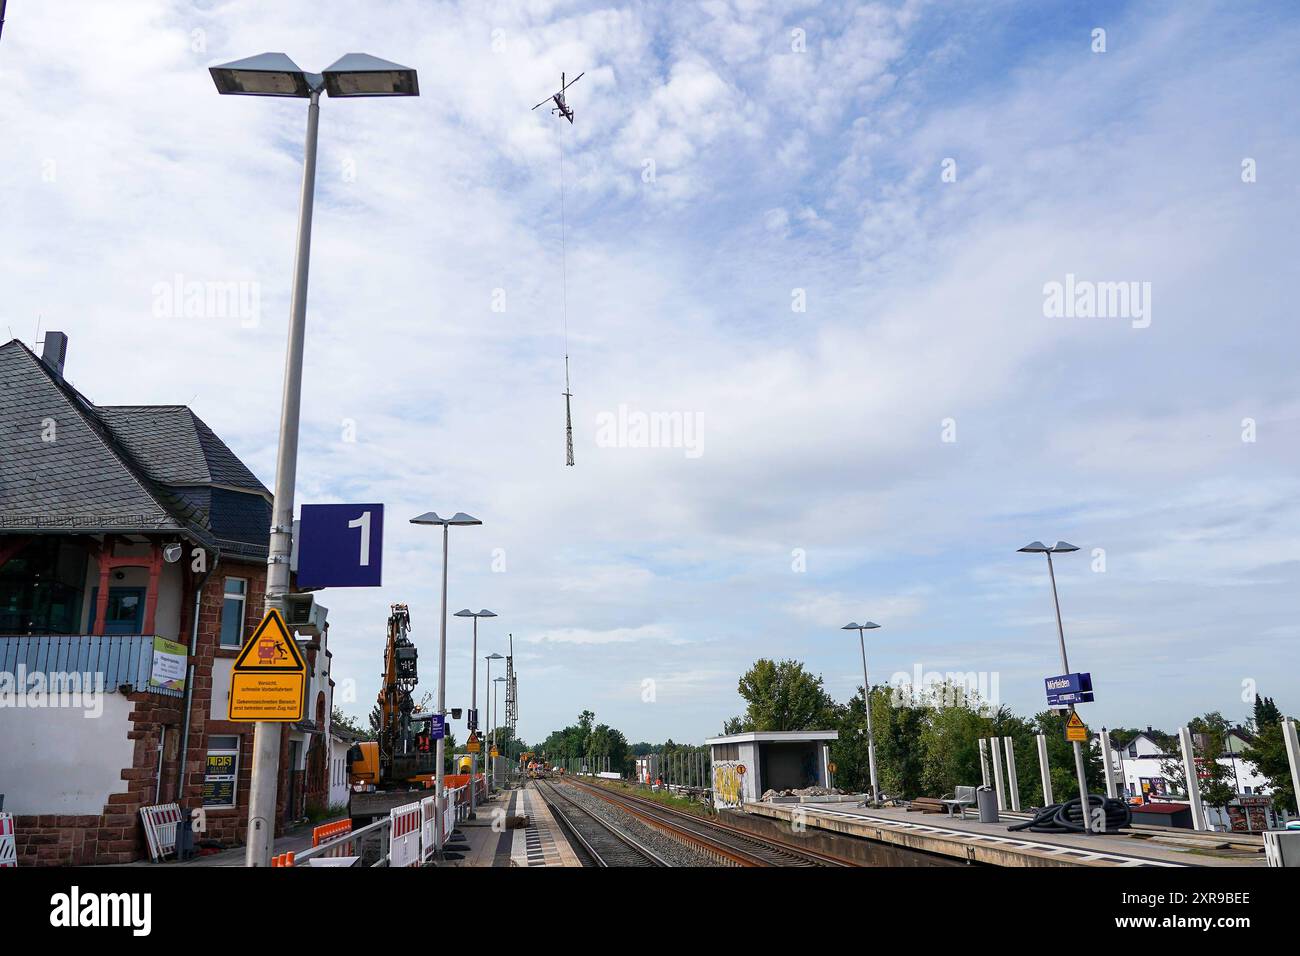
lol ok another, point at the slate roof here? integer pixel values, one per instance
(175, 446)
(69, 466)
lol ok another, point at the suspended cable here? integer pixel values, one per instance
(563, 109)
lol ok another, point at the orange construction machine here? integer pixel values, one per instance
(405, 753)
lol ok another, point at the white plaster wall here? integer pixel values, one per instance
(57, 760)
(219, 705)
(751, 785)
(167, 619)
(338, 772)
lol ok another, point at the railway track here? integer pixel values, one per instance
(729, 845)
(602, 844)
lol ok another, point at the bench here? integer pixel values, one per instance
(959, 799)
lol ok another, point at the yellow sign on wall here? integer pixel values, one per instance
(269, 675)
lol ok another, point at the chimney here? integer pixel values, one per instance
(54, 352)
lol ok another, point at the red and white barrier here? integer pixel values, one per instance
(160, 824)
(428, 827)
(8, 847)
(332, 831)
(404, 835)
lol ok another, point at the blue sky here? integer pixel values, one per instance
(821, 431)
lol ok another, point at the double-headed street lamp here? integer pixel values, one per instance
(458, 519)
(866, 701)
(473, 699)
(487, 698)
(274, 74)
(1062, 547)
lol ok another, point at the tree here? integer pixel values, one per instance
(950, 745)
(1268, 753)
(1023, 733)
(1060, 759)
(351, 724)
(1214, 779)
(507, 744)
(733, 725)
(897, 726)
(784, 696)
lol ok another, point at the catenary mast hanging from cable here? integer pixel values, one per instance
(562, 108)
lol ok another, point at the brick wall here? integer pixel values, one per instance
(116, 835)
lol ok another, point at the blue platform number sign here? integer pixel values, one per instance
(1066, 689)
(437, 727)
(340, 546)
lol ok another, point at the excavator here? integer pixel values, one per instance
(404, 755)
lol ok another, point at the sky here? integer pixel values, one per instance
(827, 242)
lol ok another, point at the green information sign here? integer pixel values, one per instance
(169, 660)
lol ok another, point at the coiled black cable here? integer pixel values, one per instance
(1069, 817)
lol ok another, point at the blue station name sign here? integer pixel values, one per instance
(1066, 689)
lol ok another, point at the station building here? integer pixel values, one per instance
(120, 527)
(771, 760)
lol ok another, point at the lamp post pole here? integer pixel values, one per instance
(473, 721)
(499, 680)
(432, 518)
(266, 734)
(487, 698)
(473, 706)
(274, 74)
(441, 749)
(866, 702)
(1062, 547)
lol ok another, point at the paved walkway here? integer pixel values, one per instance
(542, 842)
(295, 841)
(488, 845)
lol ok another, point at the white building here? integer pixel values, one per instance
(747, 765)
(1139, 770)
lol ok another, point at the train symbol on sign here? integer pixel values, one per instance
(269, 650)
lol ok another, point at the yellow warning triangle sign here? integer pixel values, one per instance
(1075, 729)
(271, 648)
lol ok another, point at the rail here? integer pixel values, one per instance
(729, 845)
(604, 843)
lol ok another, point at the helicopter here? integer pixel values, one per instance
(560, 106)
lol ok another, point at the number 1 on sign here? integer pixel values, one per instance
(364, 524)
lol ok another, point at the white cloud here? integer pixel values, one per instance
(822, 428)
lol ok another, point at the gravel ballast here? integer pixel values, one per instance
(674, 852)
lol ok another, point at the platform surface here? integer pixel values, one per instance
(994, 843)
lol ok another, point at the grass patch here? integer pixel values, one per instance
(670, 800)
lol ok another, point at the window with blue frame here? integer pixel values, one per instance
(125, 612)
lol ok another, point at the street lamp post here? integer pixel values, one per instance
(458, 519)
(274, 74)
(473, 700)
(487, 697)
(866, 700)
(1062, 547)
(498, 680)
